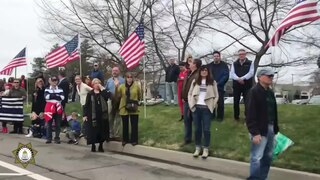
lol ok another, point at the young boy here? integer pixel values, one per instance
(74, 130)
(37, 124)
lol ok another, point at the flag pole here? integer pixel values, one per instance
(144, 88)
(15, 73)
(79, 46)
(27, 79)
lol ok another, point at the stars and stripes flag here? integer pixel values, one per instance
(11, 109)
(133, 48)
(18, 60)
(64, 54)
(303, 11)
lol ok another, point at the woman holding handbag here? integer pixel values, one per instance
(129, 94)
(96, 114)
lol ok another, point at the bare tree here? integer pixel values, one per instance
(247, 21)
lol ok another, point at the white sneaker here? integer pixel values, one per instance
(197, 152)
(29, 135)
(205, 153)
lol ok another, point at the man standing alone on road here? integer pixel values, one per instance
(114, 117)
(172, 74)
(242, 71)
(262, 123)
(220, 72)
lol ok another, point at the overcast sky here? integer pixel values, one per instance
(20, 27)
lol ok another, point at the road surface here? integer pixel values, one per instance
(74, 162)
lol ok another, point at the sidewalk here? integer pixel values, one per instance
(218, 165)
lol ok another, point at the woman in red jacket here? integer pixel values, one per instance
(182, 75)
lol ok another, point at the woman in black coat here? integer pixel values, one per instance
(96, 113)
(38, 100)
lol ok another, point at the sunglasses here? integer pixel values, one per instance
(242, 54)
(16, 82)
(95, 65)
(270, 76)
(54, 79)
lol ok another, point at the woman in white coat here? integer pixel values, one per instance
(202, 98)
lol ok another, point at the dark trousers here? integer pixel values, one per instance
(17, 127)
(4, 124)
(74, 91)
(134, 128)
(237, 91)
(187, 118)
(219, 111)
(57, 120)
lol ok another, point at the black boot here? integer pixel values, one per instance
(93, 148)
(100, 149)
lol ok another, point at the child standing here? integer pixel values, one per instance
(74, 130)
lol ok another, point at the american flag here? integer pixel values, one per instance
(303, 11)
(133, 48)
(18, 60)
(11, 109)
(63, 54)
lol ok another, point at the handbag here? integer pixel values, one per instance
(132, 105)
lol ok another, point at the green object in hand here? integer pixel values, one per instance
(282, 143)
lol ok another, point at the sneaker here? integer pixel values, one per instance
(29, 135)
(75, 142)
(197, 152)
(70, 141)
(48, 142)
(205, 153)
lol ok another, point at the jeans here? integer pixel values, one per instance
(134, 128)
(187, 118)
(261, 156)
(219, 111)
(57, 119)
(202, 122)
(171, 92)
(72, 135)
(114, 122)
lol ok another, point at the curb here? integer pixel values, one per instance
(223, 166)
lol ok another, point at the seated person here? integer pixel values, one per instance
(74, 129)
(37, 125)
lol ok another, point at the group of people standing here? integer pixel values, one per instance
(104, 107)
(200, 93)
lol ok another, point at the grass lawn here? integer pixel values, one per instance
(230, 139)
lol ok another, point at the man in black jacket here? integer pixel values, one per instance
(262, 123)
(172, 74)
(220, 72)
(64, 85)
(242, 72)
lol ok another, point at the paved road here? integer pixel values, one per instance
(69, 162)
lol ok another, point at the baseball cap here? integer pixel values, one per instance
(265, 71)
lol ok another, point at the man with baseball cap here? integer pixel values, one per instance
(96, 73)
(262, 123)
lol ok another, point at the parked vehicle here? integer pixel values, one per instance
(314, 100)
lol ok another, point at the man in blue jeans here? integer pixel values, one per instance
(187, 117)
(262, 123)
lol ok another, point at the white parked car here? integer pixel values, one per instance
(314, 100)
(229, 100)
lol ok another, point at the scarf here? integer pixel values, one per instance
(104, 106)
(128, 91)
